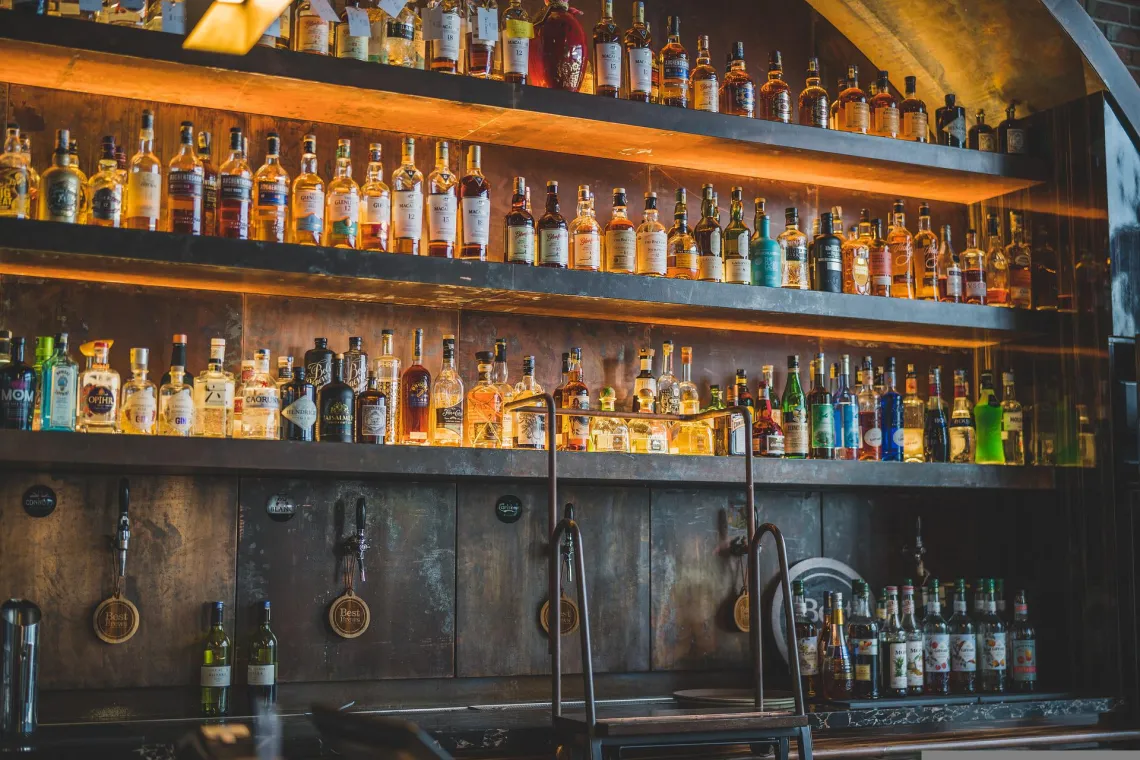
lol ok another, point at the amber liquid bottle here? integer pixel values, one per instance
(184, 186)
(854, 114)
(775, 95)
(235, 191)
(674, 68)
(838, 675)
(415, 401)
(209, 186)
(553, 233)
(639, 56)
(475, 208)
(915, 119)
(607, 53)
(814, 109)
(738, 93)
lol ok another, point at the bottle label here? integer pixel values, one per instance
(587, 250)
(520, 245)
(344, 214)
(578, 430)
(1015, 140)
(796, 432)
(822, 426)
(374, 418)
(914, 126)
(554, 247)
(640, 70)
(63, 199)
(675, 71)
(180, 412)
(963, 652)
(652, 252)
(621, 250)
(476, 221)
(219, 394)
(847, 417)
(809, 655)
(607, 68)
(738, 271)
(914, 659)
(516, 54)
(376, 209)
(350, 46)
(313, 34)
(400, 31)
(856, 117)
(936, 653)
(993, 650)
(215, 676)
(184, 184)
(976, 288)
(743, 96)
(912, 443)
(441, 217)
(309, 210)
(259, 398)
(956, 130)
(706, 95)
(447, 46)
(865, 648)
(687, 260)
(954, 283)
(14, 199)
(873, 437)
(272, 194)
(141, 408)
(986, 142)
(897, 665)
(302, 413)
(887, 121)
(1011, 423)
(773, 445)
(530, 430)
(407, 214)
(1024, 660)
(144, 193)
(711, 268)
(1020, 286)
(62, 398)
(107, 204)
(99, 400)
(261, 675)
(795, 254)
(450, 418)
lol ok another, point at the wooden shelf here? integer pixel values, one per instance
(78, 56)
(125, 454)
(55, 250)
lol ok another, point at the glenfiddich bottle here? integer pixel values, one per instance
(704, 82)
(336, 407)
(475, 211)
(807, 641)
(553, 233)
(521, 247)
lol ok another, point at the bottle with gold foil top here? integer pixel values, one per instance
(585, 234)
(738, 93)
(443, 52)
(836, 670)
(926, 256)
(704, 82)
(98, 390)
(621, 237)
(683, 253)
(639, 56)
(342, 203)
(184, 177)
(854, 110)
(901, 245)
(997, 265)
(737, 264)
(674, 68)
(884, 109)
(857, 259)
(915, 120)
(441, 205)
(652, 243)
(474, 208)
(209, 185)
(105, 187)
(139, 410)
(607, 54)
(484, 413)
(15, 179)
(271, 195)
(61, 185)
(235, 191)
(375, 209)
(794, 244)
(775, 95)
(308, 217)
(710, 264)
(814, 107)
(514, 47)
(144, 181)
(480, 44)
(447, 400)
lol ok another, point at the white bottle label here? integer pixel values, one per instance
(313, 34)
(954, 284)
(302, 413)
(63, 389)
(640, 70)
(554, 248)
(376, 209)
(809, 655)
(349, 45)
(711, 268)
(476, 221)
(914, 655)
(408, 220)
(1013, 422)
(309, 210)
(652, 252)
(144, 193)
(261, 675)
(621, 250)
(936, 653)
(993, 653)
(520, 245)
(181, 412)
(608, 64)
(987, 143)
(706, 96)
(449, 36)
(219, 394)
(441, 217)
(975, 289)
(215, 676)
(142, 409)
(738, 271)
(374, 420)
(516, 54)
(896, 665)
(963, 653)
(344, 212)
(587, 251)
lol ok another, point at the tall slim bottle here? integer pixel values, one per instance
(807, 641)
(892, 417)
(235, 191)
(936, 435)
(822, 412)
(849, 441)
(993, 654)
(1023, 660)
(914, 643)
(864, 633)
(1012, 423)
(407, 201)
(216, 666)
(901, 245)
(936, 646)
(894, 660)
(870, 416)
(914, 422)
(797, 438)
(837, 670)
(988, 414)
(963, 438)
(963, 645)
(183, 185)
(261, 672)
(144, 181)
(271, 195)
(342, 202)
(765, 252)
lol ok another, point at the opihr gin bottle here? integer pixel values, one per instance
(98, 391)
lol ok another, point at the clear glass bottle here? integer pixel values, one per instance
(399, 38)
(342, 203)
(668, 399)
(608, 434)
(1019, 259)
(794, 245)
(988, 417)
(33, 177)
(312, 32)
(214, 395)
(308, 217)
(408, 201)
(447, 400)
(951, 281)
(621, 237)
(870, 416)
(926, 256)
(261, 401)
(936, 646)
(914, 643)
(61, 185)
(901, 245)
(765, 253)
(84, 199)
(15, 178)
(441, 211)
(652, 242)
(243, 377)
(138, 412)
(176, 405)
(1012, 425)
(387, 375)
(375, 204)
(863, 637)
(586, 234)
(647, 436)
(529, 428)
(963, 438)
(143, 202)
(704, 82)
(894, 656)
(575, 431)
(106, 191)
(737, 236)
(99, 393)
(914, 419)
(271, 195)
(484, 412)
(997, 266)
(216, 666)
(235, 191)
(1023, 648)
(59, 389)
(261, 669)
(500, 376)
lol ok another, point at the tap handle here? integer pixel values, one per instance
(124, 533)
(360, 516)
(361, 544)
(124, 497)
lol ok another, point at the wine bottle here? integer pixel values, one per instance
(216, 666)
(261, 673)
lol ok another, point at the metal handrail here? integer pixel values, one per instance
(555, 625)
(789, 615)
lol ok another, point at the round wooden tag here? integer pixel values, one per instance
(569, 614)
(116, 620)
(740, 612)
(349, 616)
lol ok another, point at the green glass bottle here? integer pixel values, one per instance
(767, 258)
(45, 349)
(216, 666)
(988, 423)
(59, 389)
(796, 434)
(821, 412)
(261, 674)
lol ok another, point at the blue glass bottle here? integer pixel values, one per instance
(892, 416)
(59, 389)
(849, 438)
(767, 258)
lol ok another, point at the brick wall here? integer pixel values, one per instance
(1119, 20)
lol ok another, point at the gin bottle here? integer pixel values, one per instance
(447, 400)
(176, 405)
(59, 388)
(356, 365)
(529, 428)
(298, 408)
(139, 410)
(261, 401)
(17, 391)
(214, 395)
(336, 408)
(99, 393)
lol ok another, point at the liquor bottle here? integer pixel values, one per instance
(15, 177)
(176, 404)
(33, 205)
(607, 53)
(936, 431)
(621, 237)
(514, 47)
(443, 53)
(1012, 136)
(767, 433)
(1023, 650)
(138, 412)
(215, 673)
(870, 416)
(484, 413)
(441, 210)
(797, 438)
(235, 191)
(308, 217)
(823, 652)
(261, 401)
(674, 67)
(585, 234)
(738, 93)
(775, 94)
(835, 116)
(1012, 425)
(813, 102)
(963, 645)
(837, 670)
(765, 252)
(356, 365)
(261, 671)
(936, 647)
(239, 394)
(271, 195)
(704, 82)
(475, 202)
(962, 435)
(863, 632)
(407, 189)
(336, 407)
(558, 57)
(58, 387)
(312, 31)
(848, 437)
(375, 204)
(646, 436)
(530, 427)
(520, 231)
(992, 640)
(415, 398)
(209, 184)
(794, 245)
(710, 264)
(999, 598)
(184, 186)
(894, 661)
(45, 348)
(997, 266)
(402, 31)
(856, 256)
(318, 363)
(925, 248)
(500, 378)
(822, 413)
(807, 642)
(388, 385)
(951, 287)
(881, 263)
(913, 419)
(901, 245)
(639, 56)
(553, 233)
(668, 397)
(214, 395)
(106, 190)
(736, 237)
(973, 271)
(60, 187)
(1047, 295)
(608, 434)
(177, 358)
(480, 59)
(950, 123)
(915, 120)
(884, 109)
(982, 136)
(84, 199)
(827, 255)
(854, 110)
(575, 431)
(988, 417)
(144, 181)
(915, 643)
(894, 436)
(342, 202)
(447, 400)
(652, 242)
(18, 390)
(1020, 263)
(298, 407)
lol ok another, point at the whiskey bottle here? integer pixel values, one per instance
(235, 191)
(835, 115)
(209, 185)
(308, 217)
(447, 400)
(915, 121)
(737, 265)
(138, 412)
(500, 376)
(484, 413)
(683, 255)
(475, 199)
(1023, 649)
(609, 434)
(399, 38)
(950, 121)
(441, 210)
(863, 637)
(575, 395)
(349, 45)
(1012, 424)
(59, 388)
(951, 282)
(646, 436)
(176, 404)
(993, 653)
(33, 205)
(261, 401)
(856, 252)
(371, 413)
(988, 418)
(261, 670)
(336, 407)
(882, 266)
(529, 428)
(767, 434)
(854, 111)
(814, 109)
(15, 178)
(144, 181)
(674, 67)
(214, 395)
(17, 390)
(710, 264)
(520, 228)
(215, 672)
(775, 95)
(1047, 295)
(184, 180)
(342, 203)
(1011, 134)
(239, 395)
(60, 185)
(553, 233)
(797, 437)
(838, 675)
(738, 93)
(106, 190)
(443, 52)
(415, 398)
(607, 53)
(407, 212)
(1020, 264)
(271, 202)
(884, 109)
(997, 266)
(793, 243)
(807, 642)
(514, 47)
(764, 252)
(621, 237)
(925, 248)
(704, 82)
(375, 204)
(962, 435)
(651, 241)
(586, 234)
(298, 407)
(901, 245)
(827, 255)
(356, 365)
(639, 55)
(973, 270)
(936, 432)
(982, 136)
(312, 31)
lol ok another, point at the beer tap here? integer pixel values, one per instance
(360, 544)
(918, 552)
(568, 548)
(124, 534)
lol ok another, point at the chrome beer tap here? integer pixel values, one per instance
(123, 538)
(360, 544)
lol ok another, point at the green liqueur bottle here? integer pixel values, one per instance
(216, 654)
(988, 422)
(796, 434)
(261, 673)
(822, 412)
(767, 258)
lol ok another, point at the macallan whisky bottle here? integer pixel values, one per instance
(235, 191)
(639, 56)
(607, 53)
(271, 195)
(308, 218)
(342, 203)
(738, 93)
(514, 46)
(814, 110)
(775, 95)
(586, 234)
(475, 202)
(144, 181)
(441, 210)
(520, 231)
(184, 186)
(915, 120)
(443, 53)
(375, 204)
(408, 201)
(704, 82)
(106, 190)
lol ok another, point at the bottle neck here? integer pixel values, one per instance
(619, 211)
(375, 171)
(650, 215)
